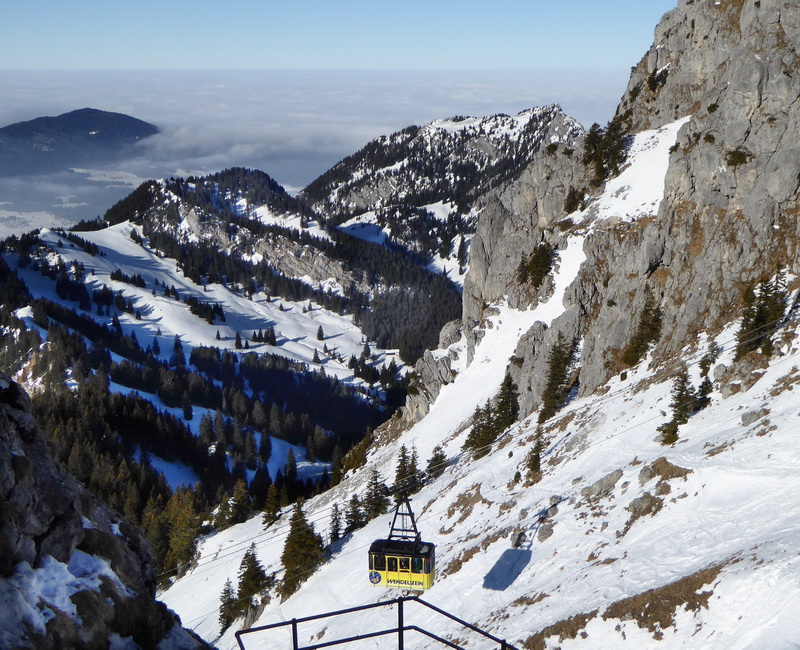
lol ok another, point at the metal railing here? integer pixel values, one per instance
(399, 631)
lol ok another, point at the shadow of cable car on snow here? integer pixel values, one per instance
(507, 569)
(513, 561)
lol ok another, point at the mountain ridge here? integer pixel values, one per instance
(86, 135)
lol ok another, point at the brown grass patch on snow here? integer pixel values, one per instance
(465, 502)
(567, 629)
(663, 468)
(786, 382)
(655, 609)
(527, 601)
(647, 504)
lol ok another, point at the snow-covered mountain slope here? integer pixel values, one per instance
(155, 316)
(627, 542)
(417, 188)
(456, 159)
(241, 227)
(647, 545)
(295, 325)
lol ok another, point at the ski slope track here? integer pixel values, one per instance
(641, 545)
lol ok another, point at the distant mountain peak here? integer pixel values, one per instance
(83, 121)
(82, 136)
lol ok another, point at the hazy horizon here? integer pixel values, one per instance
(293, 125)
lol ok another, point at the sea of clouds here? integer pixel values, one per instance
(294, 125)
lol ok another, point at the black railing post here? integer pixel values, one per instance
(399, 624)
(400, 629)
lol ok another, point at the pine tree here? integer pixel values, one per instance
(536, 267)
(223, 517)
(533, 461)
(186, 405)
(178, 358)
(507, 410)
(259, 486)
(227, 606)
(183, 526)
(354, 517)
(320, 334)
(290, 470)
(712, 354)
(406, 479)
(154, 526)
(265, 447)
(647, 332)
(436, 463)
(375, 501)
(206, 429)
(252, 580)
(684, 403)
(219, 429)
(705, 389)
(240, 503)
(762, 316)
(272, 506)
(556, 388)
(483, 431)
(335, 526)
(574, 200)
(683, 398)
(413, 471)
(302, 553)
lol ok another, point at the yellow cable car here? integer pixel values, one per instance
(402, 560)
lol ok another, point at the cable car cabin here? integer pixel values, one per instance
(404, 564)
(402, 560)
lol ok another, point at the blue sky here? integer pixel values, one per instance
(328, 34)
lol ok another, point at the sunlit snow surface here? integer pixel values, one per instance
(737, 508)
(639, 188)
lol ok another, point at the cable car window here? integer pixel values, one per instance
(379, 562)
(405, 563)
(392, 563)
(416, 565)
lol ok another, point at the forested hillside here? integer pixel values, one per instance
(422, 186)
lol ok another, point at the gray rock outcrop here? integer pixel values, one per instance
(728, 218)
(46, 517)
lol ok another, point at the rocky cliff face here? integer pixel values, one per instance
(728, 214)
(729, 217)
(75, 573)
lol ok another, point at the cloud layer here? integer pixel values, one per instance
(292, 125)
